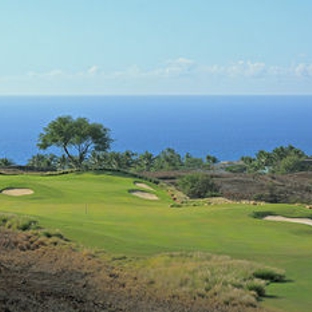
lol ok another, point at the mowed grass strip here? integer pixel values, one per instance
(97, 211)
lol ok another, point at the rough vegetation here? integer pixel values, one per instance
(273, 188)
(40, 272)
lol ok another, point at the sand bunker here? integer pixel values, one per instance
(144, 195)
(143, 185)
(306, 221)
(17, 192)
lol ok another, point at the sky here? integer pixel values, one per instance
(143, 47)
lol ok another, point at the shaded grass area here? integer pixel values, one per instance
(97, 211)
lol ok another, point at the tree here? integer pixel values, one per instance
(145, 161)
(211, 160)
(190, 162)
(77, 137)
(97, 160)
(283, 159)
(290, 164)
(119, 160)
(264, 159)
(42, 161)
(6, 162)
(168, 159)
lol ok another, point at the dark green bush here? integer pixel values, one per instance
(198, 185)
(55, 234)
(3, 219)
(261, 214)
(269, 275)
(26, 225)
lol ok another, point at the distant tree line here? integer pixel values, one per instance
(166, 160)
(281, 160)
(86, 145)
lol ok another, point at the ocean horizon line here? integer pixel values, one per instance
(157, 95)
(227, 127)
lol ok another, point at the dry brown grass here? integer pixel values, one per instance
(40, 273)
(288, 188)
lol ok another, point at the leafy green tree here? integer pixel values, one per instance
(283, 159)
(168, 159)
(43, 161)
(145, 161)
(62, 163)
(76, 137)
(264, 159)
(190, 162)
(211, 160)
(128, 160)
(287, 159)
(282, 152)
(247, 160)
(290, 164)
(97, 160)
(198, 185)
(119, 160)
(6, 162)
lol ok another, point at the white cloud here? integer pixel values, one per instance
(177, 67)
(180, 75)
(130, 72)
(247, 69)
(183, 67)
(53, 73)
(93, 70)
(303, 70)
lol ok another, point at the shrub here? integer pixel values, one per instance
(48, 234)
(198, 185)
(175, 205)
(262, 214)
(257, 287)
(3, 219)
(238, 168)
(269, 275)
(21, 224)
(26, 225)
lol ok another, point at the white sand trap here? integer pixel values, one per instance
(143, 185)
(17, 192)
(144, 195)
(294, 220)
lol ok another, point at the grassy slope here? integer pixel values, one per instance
(98, 211)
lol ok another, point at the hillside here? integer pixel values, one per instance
(288, 188)
(159, 249)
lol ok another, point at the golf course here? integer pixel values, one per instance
(99, 211)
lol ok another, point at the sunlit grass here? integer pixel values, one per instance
(97, 211)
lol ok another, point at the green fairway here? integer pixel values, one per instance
(97, 210)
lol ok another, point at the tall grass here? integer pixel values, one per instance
(205, 276)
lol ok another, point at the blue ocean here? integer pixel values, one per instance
(227, 127)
